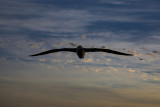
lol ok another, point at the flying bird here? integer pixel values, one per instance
(81, 51)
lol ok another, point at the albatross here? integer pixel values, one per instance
(81, 51)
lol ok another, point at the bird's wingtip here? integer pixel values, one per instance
(130, 55)
(31, 55)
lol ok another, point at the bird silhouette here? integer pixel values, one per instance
(81, 51)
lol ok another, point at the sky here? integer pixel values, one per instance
(62, 79)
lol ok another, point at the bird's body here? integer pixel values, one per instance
(81, 51)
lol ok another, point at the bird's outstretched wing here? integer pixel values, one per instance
(106, 50)
(55, 50)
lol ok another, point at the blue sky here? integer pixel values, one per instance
(60, 79)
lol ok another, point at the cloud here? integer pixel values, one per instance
(156, 78)
(3, 58)
(108, 60)
(42, 60)
(5, 78)
(55, 61)
(116, 2)
(73, 44)
(83, 36)
(54, 84)
(135, 53)
(99, 69)
(55, 21)
(70, 61)
(78, 21)
(113, 69)
(44, 19)
(88, 60)
(131, 70)
(47, 20)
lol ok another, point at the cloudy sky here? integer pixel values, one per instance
(62, 79)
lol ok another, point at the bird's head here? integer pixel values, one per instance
(79, 47)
